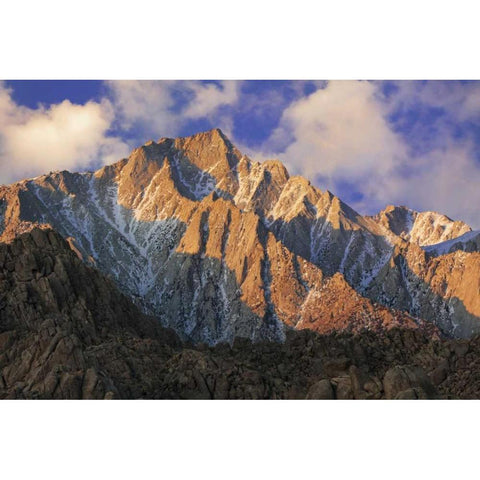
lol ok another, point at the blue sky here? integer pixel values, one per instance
(415, 143)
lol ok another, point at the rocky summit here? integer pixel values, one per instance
(169, 258)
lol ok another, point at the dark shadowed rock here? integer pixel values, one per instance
(343, 388)
(321, 390)
(65, 330)
(440, 373)
(403, 378)
(336, 366)
(416, 393)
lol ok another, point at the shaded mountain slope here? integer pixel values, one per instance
(65, 330)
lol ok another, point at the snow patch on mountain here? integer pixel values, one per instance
(459, 243)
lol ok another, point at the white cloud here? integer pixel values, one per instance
(338, 130)
(339, 133)
(152, 106)
(63, 136)
(208, 97)
(461, 100)
(147, 104)
(445, 181)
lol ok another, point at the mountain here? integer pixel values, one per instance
(217, 246)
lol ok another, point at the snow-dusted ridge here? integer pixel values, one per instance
(215, 244)
(459, 243)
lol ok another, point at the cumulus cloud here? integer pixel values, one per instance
(338, 130)
(209, 97)
(342, 139)
(162, 108)
(443, 180)
(62, 136)
(147, 105)
(338, 135)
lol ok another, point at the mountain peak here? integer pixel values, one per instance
(212, 135)
(421, 228)
(396, 208)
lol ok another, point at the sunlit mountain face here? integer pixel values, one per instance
(218, 246)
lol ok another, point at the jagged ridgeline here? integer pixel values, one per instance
(218, 246)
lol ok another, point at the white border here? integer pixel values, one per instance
(239, 439)
(251, 39)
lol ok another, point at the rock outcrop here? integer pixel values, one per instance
(65, 329)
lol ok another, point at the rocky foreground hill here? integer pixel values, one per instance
(217, 246)
(67, 332)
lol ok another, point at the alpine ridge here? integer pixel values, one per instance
(217, 246)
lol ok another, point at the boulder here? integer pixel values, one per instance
(440, 373)
(416, 393)
(343, 388)
(401, 378)
(321, 390)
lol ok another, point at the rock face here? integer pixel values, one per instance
(217, 246)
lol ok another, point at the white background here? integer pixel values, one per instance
(244, 40)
